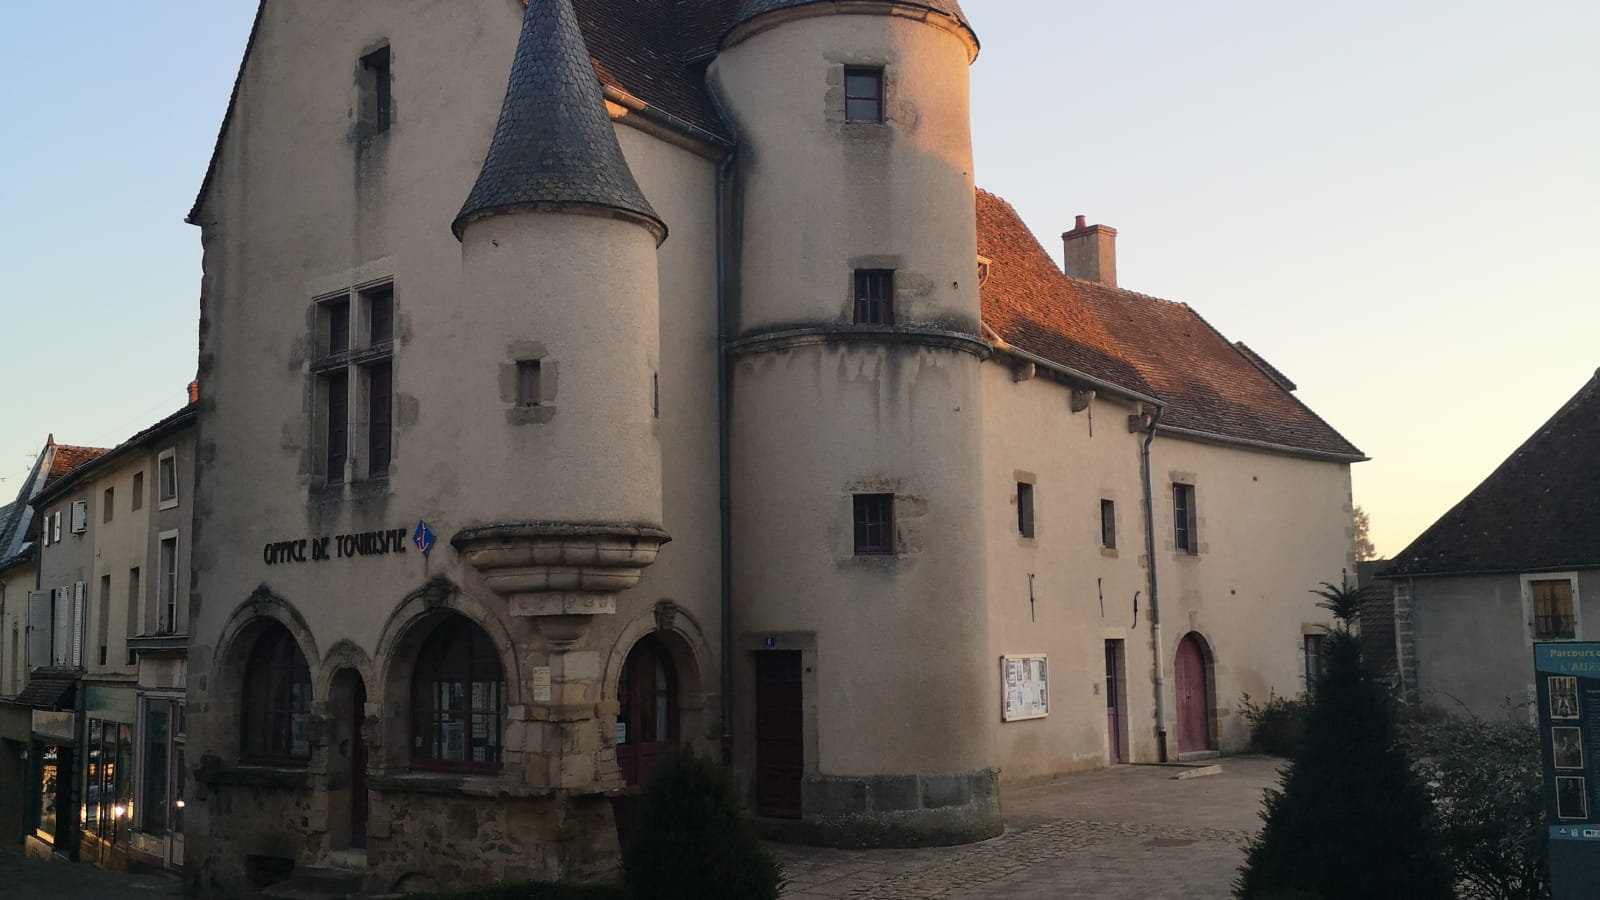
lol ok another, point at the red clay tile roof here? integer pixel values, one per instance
(68, 458)
(1137, 342)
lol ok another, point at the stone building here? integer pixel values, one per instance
(110, 618)
(1517, 561)
(585, 378)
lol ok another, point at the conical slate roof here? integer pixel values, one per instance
(554, 145)
(752, 9)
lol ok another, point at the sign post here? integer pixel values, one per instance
(1567, 679)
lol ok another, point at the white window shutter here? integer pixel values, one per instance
(77, 624)
(55, 526)
(38, 629)
(79, 523)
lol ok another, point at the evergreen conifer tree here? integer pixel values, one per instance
(1351, 820)
(694, 841)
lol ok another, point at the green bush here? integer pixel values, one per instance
(694, 841)
(1276, 725)
(1352, 818)
(1488, 787)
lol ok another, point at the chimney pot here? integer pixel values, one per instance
(1083, 222)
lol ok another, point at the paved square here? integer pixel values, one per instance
(1128, 832)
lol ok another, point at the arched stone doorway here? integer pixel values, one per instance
(347, 762)
(647, 715)
(1191, 680)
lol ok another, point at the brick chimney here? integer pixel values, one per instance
(1091, 252)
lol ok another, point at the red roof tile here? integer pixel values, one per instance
(1137, 342)
(67, 458)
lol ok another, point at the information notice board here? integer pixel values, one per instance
(1026, 682)
(1567, 683)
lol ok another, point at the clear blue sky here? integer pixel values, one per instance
(1394, 202)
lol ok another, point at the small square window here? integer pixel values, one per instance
(874, 297)
(1108, 524)
(863, 94)
(138, 492)
(1183, 519)
(376, 84)
(874, 521)
(1025, 509)
(530, 390)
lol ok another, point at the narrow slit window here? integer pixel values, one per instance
(1108, 524)
(529, 383)
(863, 94)
(138, 492)
(376, 84)
(1183, 518)
(380, 417)
(108, 504)
(874, 524)
(1025, 509)
(874, 297)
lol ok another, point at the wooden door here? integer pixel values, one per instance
(647, 717)
(1194, 704)
(780, 734)
(359, 801)
(1113, 700)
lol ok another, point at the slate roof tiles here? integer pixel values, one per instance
(554, 143)
(1540, 510)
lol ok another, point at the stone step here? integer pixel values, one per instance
(318, 883)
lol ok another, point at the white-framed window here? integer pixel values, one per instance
(167, 478)
(167, 588)
(1550, 606)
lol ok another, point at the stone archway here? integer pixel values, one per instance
(648, 715)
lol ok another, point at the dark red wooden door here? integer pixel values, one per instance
(647, 720)
(1189, 681)
(780, 734)
(359, 803)
(1113, 710)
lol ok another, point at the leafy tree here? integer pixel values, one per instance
(1364, 547)
(694, 841)
(1351, 819)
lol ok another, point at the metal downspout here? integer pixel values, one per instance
(1155, 596)
(724, 423)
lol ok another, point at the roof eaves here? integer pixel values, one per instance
(82, 473)
(1208, 437)
(193, 218)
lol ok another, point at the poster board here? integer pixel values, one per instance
(1025, 687)
(1567, 691)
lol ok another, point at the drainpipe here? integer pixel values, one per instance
(1155, 596)
(724, 417)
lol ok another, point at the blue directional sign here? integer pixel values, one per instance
(423, 537)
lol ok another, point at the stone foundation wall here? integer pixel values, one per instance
(896, 810)
(248, 827)
(421, 839)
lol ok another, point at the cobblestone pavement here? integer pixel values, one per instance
(1129, 832)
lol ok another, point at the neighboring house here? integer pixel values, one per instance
(1517, 561)
(611, 376)
(114, 575)
(37, 695)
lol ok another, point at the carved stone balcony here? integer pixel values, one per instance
(560, 568)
